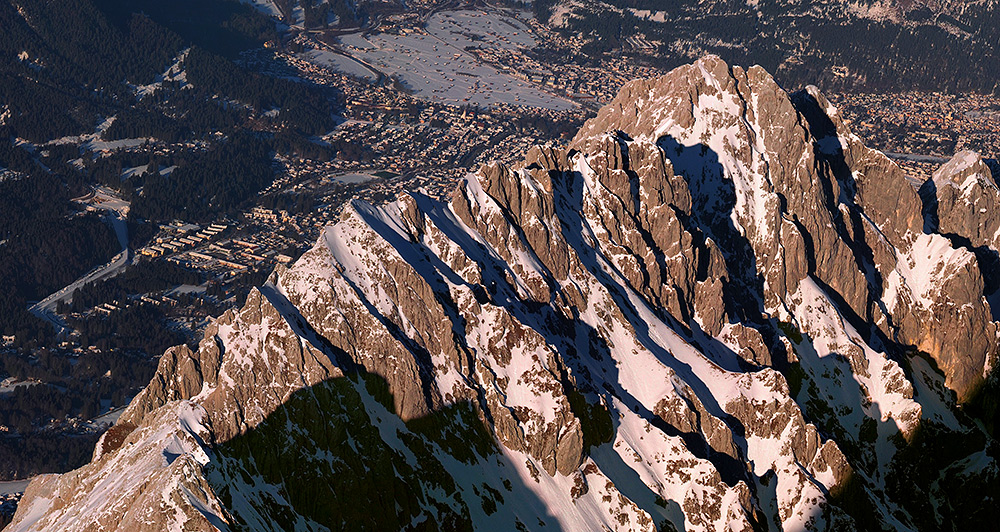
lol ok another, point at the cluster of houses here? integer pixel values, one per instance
(185, 236)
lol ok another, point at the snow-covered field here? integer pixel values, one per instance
(477, 28)
(187, 289)
(436, 66)
(13, 486)
(109, 418)
(128, 173)
(112, 145)
(338, 62)
(10, 384)
(174, 73)
(266, 6)
(561, 14)
(93, 142)
(353, 178)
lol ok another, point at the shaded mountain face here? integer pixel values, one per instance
(714, 310)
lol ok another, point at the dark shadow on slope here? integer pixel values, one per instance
(954, 463)
(337, 455)
(301, 327)
(988, 259)
(831, 164)
(570, 185)
(818, 402)
(928, 197)
(580, 347)
(713, 199)
(983, 404)
(628, 482)
(734, 299)
(941, 459)
(926, 468)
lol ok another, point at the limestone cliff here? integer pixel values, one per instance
(703, 314)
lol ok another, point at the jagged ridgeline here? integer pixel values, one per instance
(715, 310)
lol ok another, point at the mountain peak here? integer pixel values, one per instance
(699, 315)
(963, 170)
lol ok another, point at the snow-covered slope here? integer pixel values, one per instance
(702, 315)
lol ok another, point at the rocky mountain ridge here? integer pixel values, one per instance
(715, 309)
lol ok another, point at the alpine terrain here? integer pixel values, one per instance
(715, 309)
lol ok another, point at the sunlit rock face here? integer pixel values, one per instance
(705, 313)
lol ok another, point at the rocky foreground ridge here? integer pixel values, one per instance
(715, 310)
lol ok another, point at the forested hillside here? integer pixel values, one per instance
(81, 73)
(832, 44)
(82, 79)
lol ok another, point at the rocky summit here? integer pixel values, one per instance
(715, 309)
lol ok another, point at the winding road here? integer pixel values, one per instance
(116, 210)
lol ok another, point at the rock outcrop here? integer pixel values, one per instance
(963, 203)
(700, 315)
(967, 200)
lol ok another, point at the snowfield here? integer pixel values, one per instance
(338, 62)
(436, 66)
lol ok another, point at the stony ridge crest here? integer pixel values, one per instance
(700, 315)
